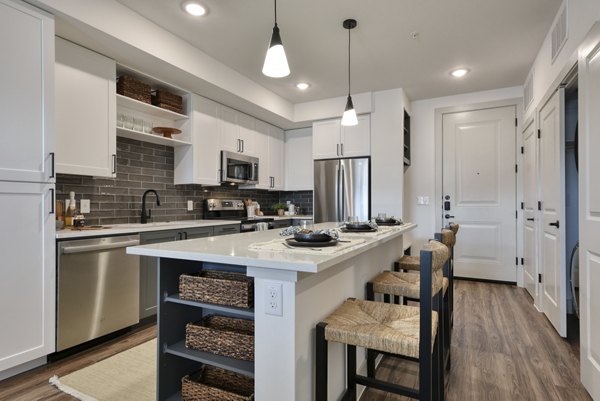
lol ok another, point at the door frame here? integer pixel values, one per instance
(439, 114)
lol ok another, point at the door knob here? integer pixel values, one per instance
(555, 224)
(448, 216)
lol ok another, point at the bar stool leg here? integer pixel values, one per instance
(321, 362)
(371, 355)
(350, 373)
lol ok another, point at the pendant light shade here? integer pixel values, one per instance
(276, 65)
(349, 116)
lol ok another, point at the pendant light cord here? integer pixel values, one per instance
(275, 1)
(349, 62)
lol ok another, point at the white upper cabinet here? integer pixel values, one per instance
(332, 140)
(267, 141)
(236, 131)
(85, 111)
(247, 134)
(200, 163)
(261, 140)
(276, 152)
(27, 82)
(298, 160)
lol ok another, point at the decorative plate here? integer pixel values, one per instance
(358, 230)
(166, 131)
(293, 242)
(311, 237)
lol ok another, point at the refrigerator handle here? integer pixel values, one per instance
(343, 197)
(338, 200)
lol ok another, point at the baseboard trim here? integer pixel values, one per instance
(483, 280)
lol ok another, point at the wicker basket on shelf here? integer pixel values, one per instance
(167, 100)
(211, 383)
(133, 88)
(218, 287)
(222, 335)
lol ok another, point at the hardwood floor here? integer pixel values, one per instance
(502, 349)
(33, 385)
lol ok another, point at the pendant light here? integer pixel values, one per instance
(349, 116)
(276, 65)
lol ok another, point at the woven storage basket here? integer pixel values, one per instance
(211, 384)
(217, 287)
(222, 335)
(168, 100)
(133, 88)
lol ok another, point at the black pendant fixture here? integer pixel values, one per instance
(276, 65)
(349, 116)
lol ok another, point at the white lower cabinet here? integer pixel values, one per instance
(27, 285)
(85, 111)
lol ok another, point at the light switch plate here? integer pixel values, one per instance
(85, 205)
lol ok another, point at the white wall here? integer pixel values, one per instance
(581, 15)
(419, 179)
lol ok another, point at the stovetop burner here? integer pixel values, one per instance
(230, 209)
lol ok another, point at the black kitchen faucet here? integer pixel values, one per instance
(145, 217)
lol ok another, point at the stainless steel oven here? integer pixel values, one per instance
(238, 168)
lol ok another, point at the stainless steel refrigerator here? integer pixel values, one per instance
(342, 189)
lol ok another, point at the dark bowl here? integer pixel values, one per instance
(358, 226)
(311, 237)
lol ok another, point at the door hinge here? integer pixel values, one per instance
(522, 205)
(516, 121)
(522, 150)
(539, 205)
(539, 133)
(522, 261)
(539, 278)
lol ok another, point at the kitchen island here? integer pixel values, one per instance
(313, 282)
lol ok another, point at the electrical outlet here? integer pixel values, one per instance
(273, 298)
(190, 205)
(85, 205)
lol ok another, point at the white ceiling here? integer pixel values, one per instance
(496, 39)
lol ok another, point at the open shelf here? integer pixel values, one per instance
(220, 308)
(223, 362)
(124, 101)
(152, 138)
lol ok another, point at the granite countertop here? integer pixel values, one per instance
(242, 249)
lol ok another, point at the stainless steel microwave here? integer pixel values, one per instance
(238, 168)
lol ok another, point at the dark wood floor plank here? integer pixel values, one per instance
(503, 349)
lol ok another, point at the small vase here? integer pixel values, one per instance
(280, 212)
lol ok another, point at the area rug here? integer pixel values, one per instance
(127, 376)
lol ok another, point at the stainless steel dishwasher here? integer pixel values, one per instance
(97, 288)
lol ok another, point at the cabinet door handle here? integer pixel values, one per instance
(52, 201)
(238, 145)
(530, 219)
(555, 224)
(114, 164)
(341, 149)
(242, 145)
(52, 166)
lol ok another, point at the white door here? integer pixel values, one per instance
(326, 139)
(27, 282)
(479, 183)
(86, 139)
(589, 211)
(553, 289)
(27, 94)
(530, 226)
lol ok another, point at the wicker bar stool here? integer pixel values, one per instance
(407, 285)
(400, 330)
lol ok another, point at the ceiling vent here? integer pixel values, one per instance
(559, 32)
(528, 90)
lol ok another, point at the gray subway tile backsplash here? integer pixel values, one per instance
(142, 166)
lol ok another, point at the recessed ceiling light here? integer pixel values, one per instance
(194, 8)
(460, 72)
(302, 85)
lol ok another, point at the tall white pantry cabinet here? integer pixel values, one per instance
(27, 273)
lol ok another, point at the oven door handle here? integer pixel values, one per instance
(99, 247)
